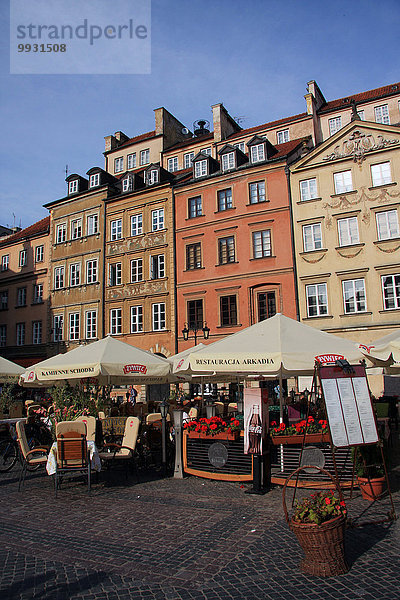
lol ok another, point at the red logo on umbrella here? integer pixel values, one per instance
(329, 358)
(366, 348)
(180, 363)
(135, 369)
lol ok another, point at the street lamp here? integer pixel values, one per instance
(196, 328)
(164, 411)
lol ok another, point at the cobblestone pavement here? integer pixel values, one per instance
(190, 539)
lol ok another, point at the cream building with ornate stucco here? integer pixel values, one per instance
(346, 198)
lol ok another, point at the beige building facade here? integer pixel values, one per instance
(346, 198)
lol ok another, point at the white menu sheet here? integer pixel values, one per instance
(350, 412)
(365, 412)
(334, 413)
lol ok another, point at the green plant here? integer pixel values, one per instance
(319, 508)
(368, 461)
(11, 395)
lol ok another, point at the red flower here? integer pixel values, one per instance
(282, 426)
(273, 423)
(213, 426)
(310, 419)
(327, 500)
(343, 503)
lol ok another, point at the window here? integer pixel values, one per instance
(228, 161)
(36, 332)
(361, 114)
(115, 274)
(152, 177)
(387, 224)
(391, 291)
(145, 157)
(74, 274)
(58, 325)
(257, 192)
(308, 189)
(226, 250)
(354, 296)
(4, 300)
(76, 229)
(194, 205)
(193, 256)
(92, 224)
(3, 335)
(224, 199)
(21, 296)
(257, 153)
(262, 244)
(20, 334)
(348, 231)
(127, 184)
(381, 174)
(91, 271)
(312, 237)
(172, 164)
(116, 229)
(157, 219)
(195, 314)
(136, 225)
(206, 151)
(228, 310)
(317, 300)
(39, 254)
(240, 146)
(22, 258)
(73, 187)
(61, 233)
(131, 161)
(343, 182)
(158, 314)
(74, 326)
(382, 114)
(58, 278)
(187, 160)
(334, 125)
(90, 324)
(157, 266)
(200, 168)
(136, 270)
(136, 319)
(119, 164)
(38, 293)
(266, 304)
(94, 180)
(282, 136)
(5, 261)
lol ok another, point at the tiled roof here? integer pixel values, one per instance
(137, 138)
(269, 125)
(31, 231)
(287, 147)
(376, 94)
(190, 142)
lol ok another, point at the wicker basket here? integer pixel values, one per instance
(323, 545)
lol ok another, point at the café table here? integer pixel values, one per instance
(95, 462)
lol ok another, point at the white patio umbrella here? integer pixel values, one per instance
(107, 361)
(385, 352)
(9, 371)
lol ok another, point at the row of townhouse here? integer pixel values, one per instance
(223, 227)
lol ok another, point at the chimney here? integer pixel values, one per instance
(223, 123)
(111, 143)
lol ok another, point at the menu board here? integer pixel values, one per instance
(348, 406)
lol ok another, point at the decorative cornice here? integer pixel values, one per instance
(358, 144)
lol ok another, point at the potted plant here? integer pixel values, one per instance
(215, 427)
(319, 522)
(370, 471)
(316, 431)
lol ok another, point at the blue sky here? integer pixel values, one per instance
(255, 56)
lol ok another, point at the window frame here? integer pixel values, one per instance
(157, 219)
(193, 256)
(321, 308)
(354, 282)
(38, 289)
(226, 247)
(92, 271)
(94, 180)
(334, 124)
(306, 190)
(136, 224)
(73, 186)
(37, 331)
(21, 296)
(282, 136)
(92, 224)
(345, 231)
(39, 253)
(172, 164)
(75, 274)
(22, 260)
(152, 177)
(61, 233)
(144, 158)
(5, 262)
(4, 300)
(195, 313)
(157, 266)
(260, 196)
(313, 237)
(3, 336)
(116, 229)
(228, 161)
(59, 278)
(136, 319)
(131, 161)
(117, 268)
(188, 160)
(264, 242)
(384, 116)
(201, 168)
(395, 292)
(231, 310)
(159, 313)
(379, 178)
(224, 199)
(387, 225)
(192, 203)
(90, 324)
(118, 164)
(76, 229)
(74, 326)
(20, 334)
(127, 184)
(116, 321)
(58, 328)
(338, 183)
(257, 152)
(137, 268)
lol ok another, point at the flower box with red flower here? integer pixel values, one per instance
(316, 432)
(215, 427)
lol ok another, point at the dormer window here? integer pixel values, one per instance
(152, 177)
(228, 161)
(200, 168)
(94, 180)
(240, 146)
(127, 184)
(257, 153)
(73, 186)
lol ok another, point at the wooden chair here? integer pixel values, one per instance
(152, 417)
(31, 458)
(124, 452)
(72, 452)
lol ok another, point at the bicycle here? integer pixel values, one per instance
(10, 452)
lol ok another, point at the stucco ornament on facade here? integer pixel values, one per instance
(358, 144)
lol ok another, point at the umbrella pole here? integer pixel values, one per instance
(281, 413)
